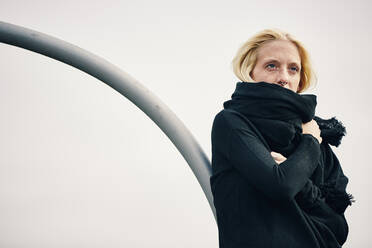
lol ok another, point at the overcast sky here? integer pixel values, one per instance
(82, 166)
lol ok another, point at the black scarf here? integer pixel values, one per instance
(278, 114)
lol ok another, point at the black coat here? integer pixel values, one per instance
(299, 203)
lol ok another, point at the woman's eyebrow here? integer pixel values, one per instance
(275, 60)
(271, 60)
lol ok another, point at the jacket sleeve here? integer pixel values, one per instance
(250, 157)
(334, 186)
(328, 201)
(333, 189)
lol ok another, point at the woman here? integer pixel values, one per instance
(276, 181)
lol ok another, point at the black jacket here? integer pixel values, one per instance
(262, 204)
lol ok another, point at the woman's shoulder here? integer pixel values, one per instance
(231, 119)
(227, 122)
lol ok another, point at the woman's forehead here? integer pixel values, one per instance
(279, 50)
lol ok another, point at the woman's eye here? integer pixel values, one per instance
(270, 66)
(294, 68)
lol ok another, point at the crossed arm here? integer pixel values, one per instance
(290, 179)
(334, 182)
(328, 201)
(252, 159)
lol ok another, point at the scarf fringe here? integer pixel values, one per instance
(337, 199)
(332, 130)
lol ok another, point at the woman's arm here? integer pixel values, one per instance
(251, 158)
(328, 201)
(333, 189)
(335, 182)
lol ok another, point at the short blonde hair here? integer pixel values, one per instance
(246, 57)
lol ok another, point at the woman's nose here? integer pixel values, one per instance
(283, 76)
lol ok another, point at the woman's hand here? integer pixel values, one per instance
(312, 128)
(279, 158)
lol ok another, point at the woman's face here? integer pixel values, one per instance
(278, 62)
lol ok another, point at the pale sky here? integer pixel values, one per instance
(81, 166)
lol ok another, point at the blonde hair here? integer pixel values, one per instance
(246, 57)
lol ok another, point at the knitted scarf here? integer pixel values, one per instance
(278, 113)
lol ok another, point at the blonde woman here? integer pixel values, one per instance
(276, 181)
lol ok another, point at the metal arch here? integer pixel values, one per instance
(126, 85)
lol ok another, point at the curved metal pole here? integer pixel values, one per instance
(122, 82)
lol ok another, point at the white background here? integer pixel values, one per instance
(81, 166)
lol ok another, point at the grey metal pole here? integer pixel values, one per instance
(126, 85)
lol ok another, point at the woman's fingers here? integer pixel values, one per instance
(277, 155)
(279, 158)
(312, 128)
